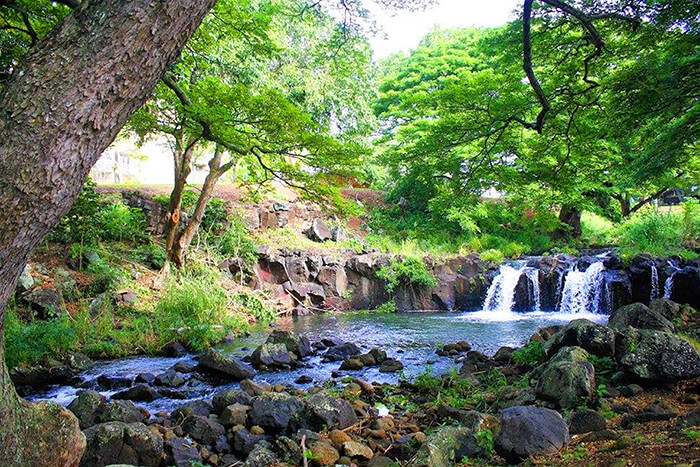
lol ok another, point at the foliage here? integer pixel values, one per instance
(104, 276)
(122, 223)
(151, 254)
(662, 233)
(386, 307)
(530, 355)
(215, 215)
(235, 242)
(406, 271)
(254, 305)
(80, 224)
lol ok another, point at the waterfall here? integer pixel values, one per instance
(668, 285)
(560, 288)
(583, 291)
(501, 293)
(533, 275)
(654, 282)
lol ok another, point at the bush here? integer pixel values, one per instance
(215, 215)
(105, 276)
(530, 355)
(387, 307)
(123, 223)
(253, 305)
(152, 254)
(37, 340)
(408, 271)
(494, 256)
(79, 225)
(236, 242)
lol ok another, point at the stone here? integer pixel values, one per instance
(88, 407)
(271, 356)
(121, 411)
(140, 392)
(594, 338)
(170, 378)
(199, 407)
(26, 281)
(319, 231)
(390, 365)
(655, 355)
(295, 343)
(47, 303)
(355, 449)
(330, 412)
(213, 360)
(244, 442)
(204, 430)
(585, 421)
(276, 411)
(252, 388)
(114, 382)
(379, 355)
(338, 234)
(338, 437)
(351, 364)
(223, 399)
(262, 455)
(126, 297)
(367, 359)
(639, 316)
(567, 379)
(180, 452)
(341, 352)
(526, 431)
(122, 443)
(173, 350)
(323, 452)
(510, 396)
(288, 451)
(446, 447)
(42, 375)
(503, 355)
(235, 414)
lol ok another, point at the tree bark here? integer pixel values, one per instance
(63, 106)
(570, 216)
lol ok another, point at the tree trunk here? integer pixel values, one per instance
(570, 216)
(63, 106)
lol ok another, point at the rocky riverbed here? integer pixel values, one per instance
(624, 391)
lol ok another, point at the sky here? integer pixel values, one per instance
(403, 30)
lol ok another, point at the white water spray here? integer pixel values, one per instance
(583, 291)
(501, 294)
(668, 285)
(533, 276)
(654, 282)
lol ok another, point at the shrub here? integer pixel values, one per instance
(37, 340)
(253, 305)
(493, 256)
(123, 223)
(79, 225)
(387, 307)
(105, 276)
(236, 242)
(408, 271)
(152, 254)
(657, 232)
(215, 215)
(530, 355)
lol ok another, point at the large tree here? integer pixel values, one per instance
(63, 104)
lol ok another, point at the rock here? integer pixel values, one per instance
(42, 375)
(204, 430)
(526, 431)
(198, 407)
(276, 411)
(319, 231)
(341, 352)
(295, 343)
(114, 382)
(304, 379)
(367, 359)
(122, 443)
(691, 419)
(351, 364)
(390, 366)
(47, 303)
(271, 356)
(185, 367)
(355, 449)
(213, 360)
(88, 407)
(91, 257)
(173, 350)
(140, 392)
(639, 316)
(26, 280)
(631, 390)
(180, 452)
(78, 361)
(65, 283)
(503, 355)
(378, 354)
(229, 397)
(338, 437)
(381, 461)
(629, 420)
(585, 421)
(235, 414)
(126, 297)
(327, 411)
(170, 378)
(566, 380)
(121, 411)
(252, 388)
(656, 355)
(665, 308)
(323, 452)
(243, 442)
(338, 234)
(446, 447)
(510, 396)
(262, 455)
(288, 451)
(594, 338)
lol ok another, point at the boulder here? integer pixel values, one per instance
(222, 364)
(276, 411)
(351, 364)
(228, 397)
(41, 375)
(202, 429)
(654, 355)
(527, 430)
(121, 411)
(173, 349)
(338, 234)
(122, 443)
(140, 392)
(319, 231)
(586, 421)
(88, 407)
(447, 446)
(235, 414)
(262, 455)
(323, 452)
(271, 356)
(288, 451)
(243, 442)
(568, 379)
(26, 280)
(594, 338)
(330, 412)
(46, 302)
(666, 308)
(180, 452)
(294, 343)
(639, 316)
(199, 407)
(390, 365)
(341, 352)
(170, 378)
(354, 449)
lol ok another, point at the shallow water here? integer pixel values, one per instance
(412, 338)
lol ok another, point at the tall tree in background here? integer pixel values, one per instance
(61, 106)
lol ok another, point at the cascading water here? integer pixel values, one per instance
(668, 285)
(533, 276)
(583, 290)
(654, 282)
(501, 294)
